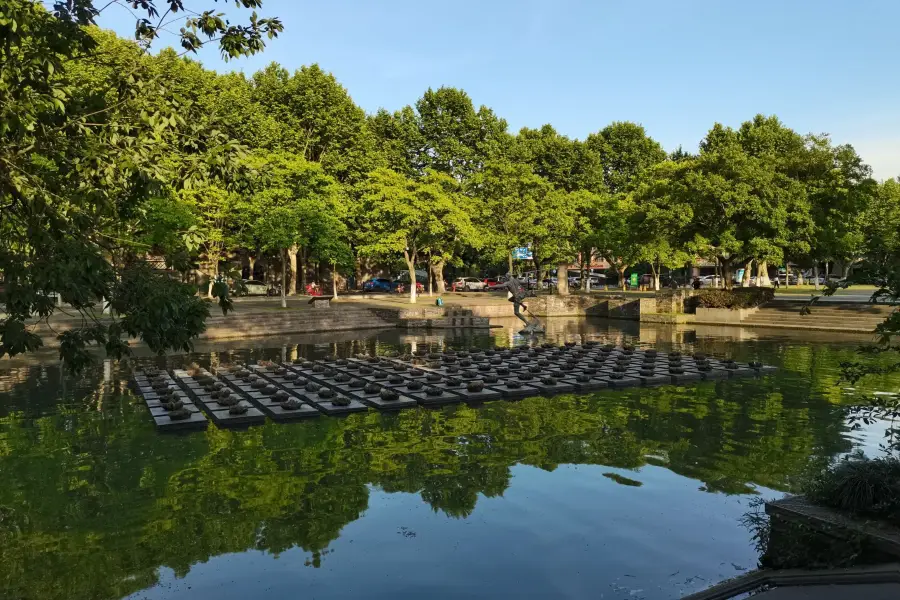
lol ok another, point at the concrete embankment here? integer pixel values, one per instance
(263, 317)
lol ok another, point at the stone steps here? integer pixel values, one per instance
(854, 317)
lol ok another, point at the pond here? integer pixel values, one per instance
(633, 493)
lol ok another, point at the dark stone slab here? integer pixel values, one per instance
(524, 391)
(277, 413)
(196, 421)
(151, 404)
(452, 388)
(485, 395)
(741, 372)
(561, 387)
(377, 377)
(223, 418)
(685, 377)
(655, 379)
(624, 382)
(347, 390)
(596, 383)
(398, 404)
(446, 398)
(714, 374)
(332, 410)
(159, 411)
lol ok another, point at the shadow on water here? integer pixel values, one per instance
(632, 493)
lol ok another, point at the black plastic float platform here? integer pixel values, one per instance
(304, 389)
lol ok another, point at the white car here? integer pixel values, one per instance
(253, 287)
(468, 284)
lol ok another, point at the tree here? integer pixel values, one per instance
(291, 197)
(567, 164)
(410, 218)
(625, 152)
(69, 170)
(611, 232)
(662, 210)
(746, 203)
(558, 231)
(840, 189)
(510, 195)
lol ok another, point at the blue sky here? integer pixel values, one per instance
(823, 66)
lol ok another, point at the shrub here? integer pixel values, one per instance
(736, 298)
(859, 485)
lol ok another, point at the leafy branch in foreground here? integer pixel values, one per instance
(881, 268)
(86, 138)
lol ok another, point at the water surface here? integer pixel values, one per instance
(617, 494)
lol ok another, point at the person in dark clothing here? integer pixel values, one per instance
(517, 294)
(696, 283)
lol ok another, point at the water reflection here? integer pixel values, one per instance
(94, 501)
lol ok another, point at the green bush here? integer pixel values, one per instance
(860, 485)
(736, 298)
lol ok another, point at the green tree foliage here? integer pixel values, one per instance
(409, 218)
(318, 120)
(510, 195)
(742, 196)
(625, 152)
(294, 203)
(77, 159)
(568, 164)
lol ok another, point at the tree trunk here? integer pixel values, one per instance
(621, 271)
(800, 277)
(357, 271)
(292, 253)
(827, 267)
(816, 275)
(437, 269)
(787, 274)
(430, 275)
(411, 265)
(334, 279)
(213, 273)
(585, 269)
(562, 279)
(655, 273)
(510, 264)
(726, 274)
(745, 280)
(283, 272)
(303, 268)
(762, 274)
(252, 260)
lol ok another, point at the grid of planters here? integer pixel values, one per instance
(246, 394)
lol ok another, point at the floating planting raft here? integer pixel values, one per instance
(169, 407)
(246, 394)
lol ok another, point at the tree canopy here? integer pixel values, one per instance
(117, 159)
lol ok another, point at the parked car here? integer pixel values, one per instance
(379, 284)
(252, 287)
(467, 284)
(711, 281)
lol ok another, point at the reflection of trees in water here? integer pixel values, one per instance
(93, 503)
